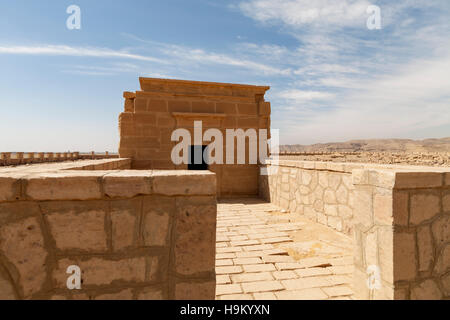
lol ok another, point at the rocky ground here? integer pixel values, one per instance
(416, 158)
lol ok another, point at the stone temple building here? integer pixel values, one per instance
(152, 114)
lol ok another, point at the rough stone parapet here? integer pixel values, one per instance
(398, 216)
(134, 234)
(24, 158)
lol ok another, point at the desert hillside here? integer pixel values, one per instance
(375, 145)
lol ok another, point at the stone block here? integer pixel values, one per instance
(371, 249)
(77, 225)
(426, 249)
(385, 238)
(195, 290)
(404, 256)
(102, 272)
(264, 108)
(400, 207)
(446, 202)
(64, 186)
(262, 286)
(203, 106)
(443, 261)
(179, 106)
(155, 105)
(151, 293)
(158, 213)
(363, 211)
(124, 223)
(360, 176)
(424, 206)
(10, 187)
(7, 291)
(247, 108)
(22, 244)
(441, 230)
(182, 182)
(383, 209)
(195, 235)
(411, 180)
(226, 108)
(426, 290)
(127, 184)
(140, 105)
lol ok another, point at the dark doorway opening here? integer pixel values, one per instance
(197, 152)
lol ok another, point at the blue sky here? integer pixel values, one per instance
(332, 78)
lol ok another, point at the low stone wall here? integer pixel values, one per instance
(402, 225)
(321, 191)
(21, 158)
(398, 217)
(133, 234)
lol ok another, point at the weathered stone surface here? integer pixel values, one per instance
(6, 289)
(426, 250)
(363, 207)
(423, 207)
(64, 186)
(195, 235)
(400, 208)
(22, 244)
(124, 223)
(127, 184)
(404, 256)
(181, 182)
(445, 281)
(441, 230)
(9, 188)
(443, 262)
(195, 290)
(157, 215)
(371, 249)
(150, 294)
(100, 272)
(382, 209)
(386, 253)
(126, 294)
(418, 180)
(427, 290)
(446, 202)
(77, 225)
(342, 195)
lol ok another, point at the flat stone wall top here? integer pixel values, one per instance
(200, 88)
(97, 179)
(104, 164)
(386, 176)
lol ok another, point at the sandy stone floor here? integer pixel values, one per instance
(265, 254)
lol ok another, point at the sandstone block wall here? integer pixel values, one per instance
(402, 226)
(398, 217)
(135, 235)
(152, 114)
(323, 192)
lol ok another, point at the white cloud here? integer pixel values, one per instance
(301, 96)
(64, 50)
(304, 12)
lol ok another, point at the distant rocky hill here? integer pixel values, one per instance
(375, 145)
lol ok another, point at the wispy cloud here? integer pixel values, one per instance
(305, 12)
(64, 50)
(301, 95)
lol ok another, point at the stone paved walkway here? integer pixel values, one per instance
(264, 254)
